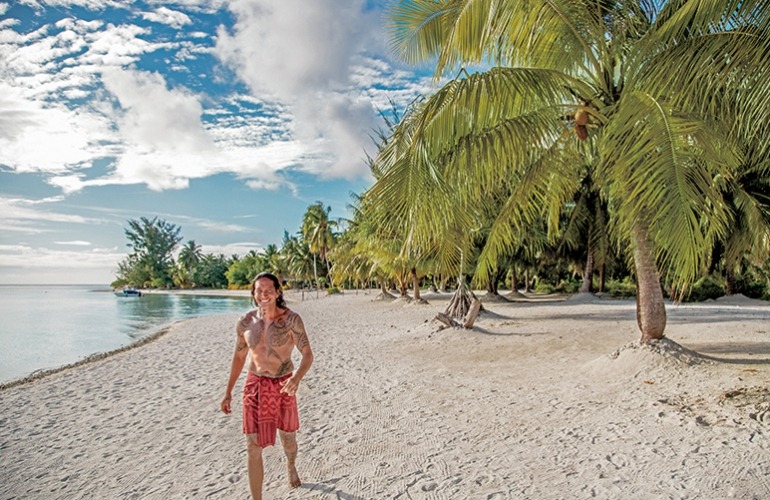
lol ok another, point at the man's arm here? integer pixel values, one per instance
(302, 343)
(240, 352)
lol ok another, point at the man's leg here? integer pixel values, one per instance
(255, 467)
(289, 442)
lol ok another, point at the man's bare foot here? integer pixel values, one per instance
(294, 481)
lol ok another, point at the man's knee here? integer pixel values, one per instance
(252, 444)
(288, 439)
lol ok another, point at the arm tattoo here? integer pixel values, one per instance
(240, 328)
(300, 335)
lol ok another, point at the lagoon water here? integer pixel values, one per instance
(44, 327)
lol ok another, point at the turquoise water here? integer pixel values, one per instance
(44, 327)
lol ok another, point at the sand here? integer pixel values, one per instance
(543, 399)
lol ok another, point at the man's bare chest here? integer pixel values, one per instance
(274, 334)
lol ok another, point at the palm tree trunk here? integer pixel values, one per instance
(588, 274)
(650, 308)
(315, 273)
(415, 285)
(602, 277)
(730, 282)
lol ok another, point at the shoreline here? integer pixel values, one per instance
(539, 399)
(46, 372)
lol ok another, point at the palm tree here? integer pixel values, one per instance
(299, 260)
(273, 261)
(633, 80)
(317, 230)
(190, 255)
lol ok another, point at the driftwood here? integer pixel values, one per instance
(469, 320)
(473, 313)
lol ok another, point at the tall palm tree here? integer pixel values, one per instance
(298, 258)
(273, 260)
(317, 230)
(190, 255)
(633, 79)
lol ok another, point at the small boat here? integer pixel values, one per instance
(128, 292)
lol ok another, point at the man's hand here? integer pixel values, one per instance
(290, 386)
(225, 405)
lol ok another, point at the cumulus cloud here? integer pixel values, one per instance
(77, 87)
(164, 15)
(302, 53)
(37, 136)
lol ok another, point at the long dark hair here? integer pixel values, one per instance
(277, 284)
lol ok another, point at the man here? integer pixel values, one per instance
(266, 338)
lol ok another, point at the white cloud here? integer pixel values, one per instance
(76, 243)
(313, 104)
(88, 4)
(26, 256)
(240, 248)
(14, 210)
(302, 53)
(71, 138)
(195, 5)
(164, 15)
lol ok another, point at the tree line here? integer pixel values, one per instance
(153, 260)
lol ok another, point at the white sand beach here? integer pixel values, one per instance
(542, 400)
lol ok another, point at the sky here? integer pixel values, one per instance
(225, 118)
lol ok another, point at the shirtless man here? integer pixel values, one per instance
(266, 338)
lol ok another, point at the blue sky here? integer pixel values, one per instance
(226, 118)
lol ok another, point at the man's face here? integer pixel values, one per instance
(265, 293)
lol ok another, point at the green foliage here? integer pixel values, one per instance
(211, 271)
(707, 287)
(569, 286)
(151, 262)
(242, 271)
(544, 288)
(751, 287)
(332, 290)
(621, 288)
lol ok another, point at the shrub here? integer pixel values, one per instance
(753, 289)
(705, 288)
(621, 288)
(332, 290)
(544, 288)
(569, 286)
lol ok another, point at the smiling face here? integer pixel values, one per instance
(264, 293)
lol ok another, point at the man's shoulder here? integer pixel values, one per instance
(250, 317)
(291, 314)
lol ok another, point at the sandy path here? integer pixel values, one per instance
(529, 405)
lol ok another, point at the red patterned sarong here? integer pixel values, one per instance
(266, 408)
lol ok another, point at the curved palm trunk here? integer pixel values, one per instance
(650, 308)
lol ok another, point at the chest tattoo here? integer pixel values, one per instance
(279, 332)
